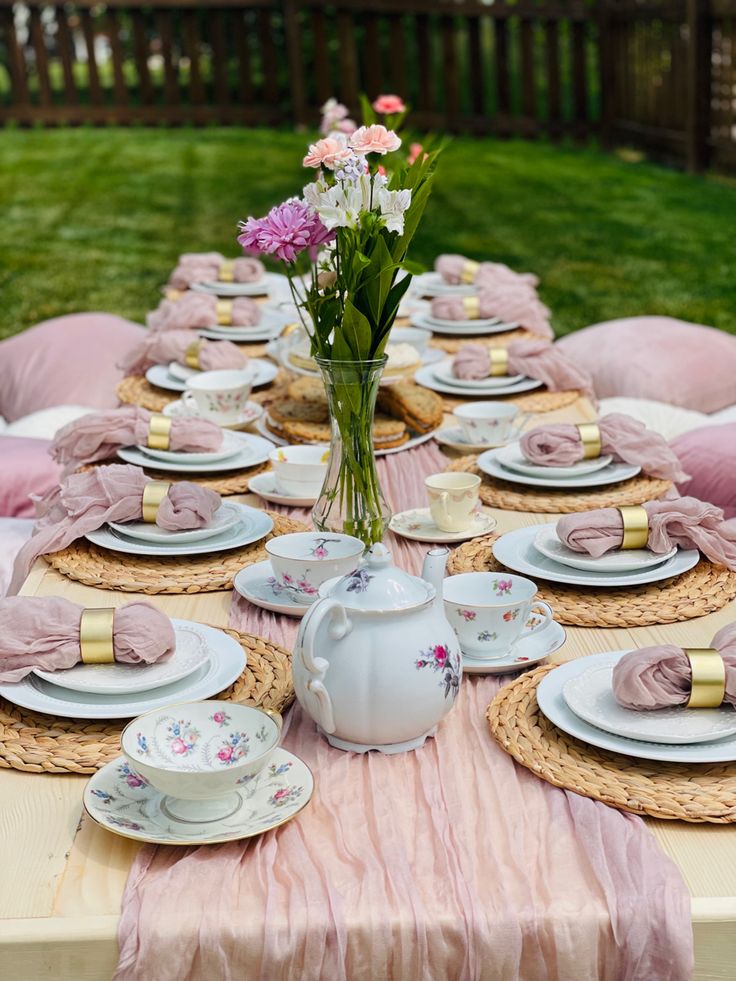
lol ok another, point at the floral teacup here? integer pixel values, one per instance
(491, 611)
(490, 422)
(300, 471)
(219, 395)
(303, 561)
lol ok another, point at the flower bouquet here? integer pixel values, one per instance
(353, 226)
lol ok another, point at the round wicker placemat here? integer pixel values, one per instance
(672, 791)
(511, 497)
(453, 344)
(703, 589)
(104, 569)
(38, 743)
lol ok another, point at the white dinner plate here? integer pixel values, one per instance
(225, 662)
(253, 450)
(231, 446)
(552, 703)
(408, 445)
(253, 526)
(191, 653)
(228, 515)
(590, 696)
(175, 375)
(462, 328)
(614, 473)
(516, 551)
(623, 560)
(259, 287)
(425, 376)
(443, 372)
(512, 458)
(432, 284)
(238, 335)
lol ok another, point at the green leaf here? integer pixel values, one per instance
(415, 268)
(356, 331)
(369, 116)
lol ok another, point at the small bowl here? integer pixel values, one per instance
(300, 471)
(415, 336)
(303, 561)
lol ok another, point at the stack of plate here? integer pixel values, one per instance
(238, 451)
(271, 324)
(462, 328)
(439, 378)
(509, 463)
(577, 697)
(267, 285)
(174, 376)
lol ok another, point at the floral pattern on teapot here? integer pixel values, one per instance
(440, 658)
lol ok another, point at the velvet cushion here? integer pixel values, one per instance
(709, 455)
(658, 358)
(25, 468)
(67, 360)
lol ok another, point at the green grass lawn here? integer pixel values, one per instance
(94, 220)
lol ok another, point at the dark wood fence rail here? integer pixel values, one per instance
(654, 73)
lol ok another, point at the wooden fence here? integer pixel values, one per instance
(655, 73)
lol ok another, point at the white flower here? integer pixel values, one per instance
(313, 192)
(393, 204)
(340, 207)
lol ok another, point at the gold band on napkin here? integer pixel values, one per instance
(499, 361)
(159, 432)
(636, 526)
(153, 493)
(95, 635)
(224, 310)
(471, 305)
(226, 275)
(469, 270)
(708, 677)
(590, 437)
(191, 355)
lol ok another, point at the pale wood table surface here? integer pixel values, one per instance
(63, 876)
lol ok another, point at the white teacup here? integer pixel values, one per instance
(300, 471)
(490, 422)
(301, 562)
(491, 611)
(219, 395)
(453, 499)
(416, 336)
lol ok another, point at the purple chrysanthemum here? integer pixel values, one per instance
(286, 231)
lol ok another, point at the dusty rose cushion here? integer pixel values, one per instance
(709, 454)
(66, 360)
(25, 468)
(658, 358)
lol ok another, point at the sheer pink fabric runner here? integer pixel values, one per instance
(451, 862)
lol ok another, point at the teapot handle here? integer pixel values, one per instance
(320, 703)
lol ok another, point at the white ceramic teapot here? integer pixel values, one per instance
(376, 663)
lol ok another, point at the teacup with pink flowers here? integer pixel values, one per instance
(301, 562)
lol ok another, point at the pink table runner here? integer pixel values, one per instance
(451, 862)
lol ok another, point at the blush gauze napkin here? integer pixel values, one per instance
(535, 359)
(172, 345)
(195, 310)
(451, 268)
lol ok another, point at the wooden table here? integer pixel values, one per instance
(63, 876)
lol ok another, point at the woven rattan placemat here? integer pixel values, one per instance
(104, 569)
(533, 402)
(673, 791)
(39, 743)
(515, 497)
(225, 483)
(453, 344)
(135, 390)
(701, 590)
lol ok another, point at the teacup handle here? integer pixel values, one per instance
(548, 617)
(443, 498)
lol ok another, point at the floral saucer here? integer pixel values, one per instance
(530, 650)
(455, 439)
(418, 525)
(256, 583)
(123, 802)
(264, 485)
(251, 412)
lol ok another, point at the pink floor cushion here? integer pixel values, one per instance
(25, 468)
(709, 454)
(66, 360)
(14, 532)
(658, 358)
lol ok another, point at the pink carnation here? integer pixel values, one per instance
(389, 104)
(415, 150)
(286, 231)
(374, 139)
(326, 153)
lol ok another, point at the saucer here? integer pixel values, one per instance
(454, 438)
(251, 412)
(524, 653)
(417, 524)
(118, 799)
(252, 583)
(264, 485)
(265, 371)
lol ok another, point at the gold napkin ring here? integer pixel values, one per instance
(226, 274)
(159, 432)
(708, 677)
(636, 526)
(191, 355)
(468, 272)
(471, 305)
(590, 437)
(499, 361)
(224, 311)
(153, 493)
(95, 635)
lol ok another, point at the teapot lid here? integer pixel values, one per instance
(378, 585)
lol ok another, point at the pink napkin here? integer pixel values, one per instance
(656, 677)
(535, 359)
(204, 267)
(626, 439)
(86, 501)
(684, 521)
(98, 435)
(171, 345)
(194, 310)
(512, 302)
(489, 274)
(43, 632)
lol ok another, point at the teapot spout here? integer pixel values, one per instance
(433, 571)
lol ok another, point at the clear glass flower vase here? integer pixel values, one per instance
(351, 500)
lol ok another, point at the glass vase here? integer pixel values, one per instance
(351, 500)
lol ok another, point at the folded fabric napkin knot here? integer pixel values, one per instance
(627, 440)
(661, 676)
(535, 359)
(511, 302)
(43, 632)
(84, 502)
(177, 345)
(684, 521)
(456, 269)
(209, 267)
(194, 310)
